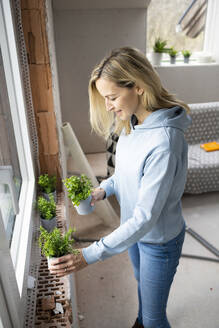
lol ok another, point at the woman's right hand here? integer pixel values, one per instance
(97, 194)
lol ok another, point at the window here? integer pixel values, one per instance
(17, 181)
(163, 18)
(10, 175)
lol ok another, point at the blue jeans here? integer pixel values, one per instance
(154, 268)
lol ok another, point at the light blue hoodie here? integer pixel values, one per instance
(148, 182)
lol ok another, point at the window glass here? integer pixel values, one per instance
(10, 175)
(163, 17)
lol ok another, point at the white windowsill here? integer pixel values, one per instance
(182, 64)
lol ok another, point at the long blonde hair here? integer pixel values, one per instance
(126, 67)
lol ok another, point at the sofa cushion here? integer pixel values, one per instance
(198, 157)
(205, 123)
(203, 172)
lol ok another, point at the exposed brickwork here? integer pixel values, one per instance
(50, 285)
(50, 289)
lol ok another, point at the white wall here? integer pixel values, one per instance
(82, 38)
(192, 84)
(198, 83)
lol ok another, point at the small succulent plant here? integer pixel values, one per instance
(47, 183)
(79, 188)
(47, 208)
(53, 244)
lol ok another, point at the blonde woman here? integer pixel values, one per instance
(127, 98)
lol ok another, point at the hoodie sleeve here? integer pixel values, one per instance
(156, 182)
(108, 185)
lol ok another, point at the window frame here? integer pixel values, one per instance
(211, 28)
(209, 44)
(20, 244)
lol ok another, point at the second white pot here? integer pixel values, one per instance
(49, 259)
(84, 207)
(156, 58)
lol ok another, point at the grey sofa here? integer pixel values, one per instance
(203, 167)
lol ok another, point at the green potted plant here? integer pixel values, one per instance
(47, 185)
(47, 210)
(79, 191)
(186, 54)
(158, 49)
(54, 245)
(172, 53)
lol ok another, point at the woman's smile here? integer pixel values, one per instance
(117, 97)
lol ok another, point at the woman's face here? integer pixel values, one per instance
(123, 101)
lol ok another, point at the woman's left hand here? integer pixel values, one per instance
(68, 264)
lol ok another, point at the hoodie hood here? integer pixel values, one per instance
(175, 117)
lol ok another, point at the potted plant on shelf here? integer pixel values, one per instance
(54, 245)
(47, 185)
(79, 191)
(186, 54)
(158, 49)
(47, 209)
(172, 53)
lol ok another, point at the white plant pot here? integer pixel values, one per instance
(156, 58)
(49, 225)
(49, 259)
(46, 196)
(84, 207)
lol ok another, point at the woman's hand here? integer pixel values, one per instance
(68, 264)
(97, 194)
